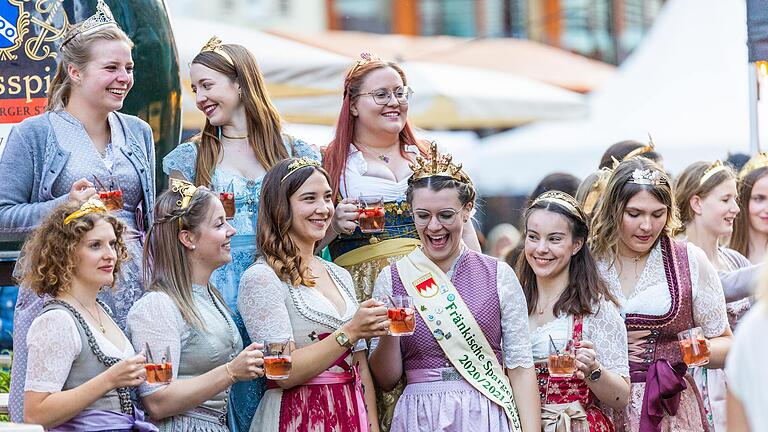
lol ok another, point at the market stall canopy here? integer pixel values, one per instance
(305, 84)
(520, 57)
(685, 84)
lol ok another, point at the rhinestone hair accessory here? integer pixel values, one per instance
(298, 164)
(437, 166)
(214, 45)
(647, 177)
(757, 161)
(185, 189)
(365, 58)
(716, 167)
(102, 17)
(564, 200)
(93, 205)
(642, 150)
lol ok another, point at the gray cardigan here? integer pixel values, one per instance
(33, 159)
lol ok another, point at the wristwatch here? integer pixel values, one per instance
(596, 374)
(342, 339)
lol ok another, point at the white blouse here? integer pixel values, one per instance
(54, 343)
(515, 335)
(605, 329)
(709, 311)
(745, 366)
(355, 182)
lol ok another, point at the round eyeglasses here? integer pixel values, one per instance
(382, 96)
(444, 216)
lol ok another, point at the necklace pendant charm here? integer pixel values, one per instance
(101, 327)
(385, 158)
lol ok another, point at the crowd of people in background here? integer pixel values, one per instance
(259, 238)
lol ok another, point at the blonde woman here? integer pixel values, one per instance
(86, 384)
(663, 287)
(185, 315)
(52, 158)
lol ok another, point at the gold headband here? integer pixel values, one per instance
(214, 45)
(365, 58)
(298, 164)
(185, 189)
(642, 150)
(598, 188)
(716, 167)
(757, 161)
(564, 200)
(93, 205)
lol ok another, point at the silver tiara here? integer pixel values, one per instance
(102, 17)
(647, 177)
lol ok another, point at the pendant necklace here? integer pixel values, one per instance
(540, 310)
(380, 156)
(101, 326)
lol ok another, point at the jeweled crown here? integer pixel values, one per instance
(92, 205)
(647, 177)
(757, 161)
(437, 165)
(102, 17)
(214, 44)
(185, 189)
(298, 164)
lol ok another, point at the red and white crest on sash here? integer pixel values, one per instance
(426, 286)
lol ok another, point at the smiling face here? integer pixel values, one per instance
(212, 237)
(311, 210)
(642, 222)
(373, 118)
(107, 78)
(718, 209)
(217, 96)
(549, 244)
(96, 256)
(758, 206)
(441, 242)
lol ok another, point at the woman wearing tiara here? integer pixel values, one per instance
(568, 303)
(80, 143)
(370, 156)
(664, 287)
(750, 229)
(468, 362)
(241, 141)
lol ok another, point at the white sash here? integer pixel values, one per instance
(460, 337)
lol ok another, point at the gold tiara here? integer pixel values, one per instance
(185, 189)
(437, 166)
(716, 167)
(214, 45)
(598, 188)
(647, 177)
(102, 17)
(298, 164)
(365, 58)
(642, 150)
(564, 200)
(757, 161)
(93, 205)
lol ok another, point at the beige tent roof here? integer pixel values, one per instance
(516, 56)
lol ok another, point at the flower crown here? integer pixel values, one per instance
(93, 205)
(214, 45)
(102, 17)
(437, 166)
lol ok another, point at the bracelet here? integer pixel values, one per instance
(231, 376)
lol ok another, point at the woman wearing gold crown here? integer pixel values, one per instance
(81, 366)
(80, 144)
(371, 156)
(293, 297)
(750, 229)
(240, 142)
(707, 197)
(468, 361)
(664, 287)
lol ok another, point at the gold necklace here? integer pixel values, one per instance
(636, 260)
(380, 156)
(234, 137)
(101, 326)
(540, 310)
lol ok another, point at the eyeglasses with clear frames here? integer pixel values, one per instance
(444, 216)
(382, 96)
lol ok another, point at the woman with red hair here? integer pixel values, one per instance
(371, 155)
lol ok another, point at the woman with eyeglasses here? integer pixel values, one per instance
(468, 361)
(371, 156)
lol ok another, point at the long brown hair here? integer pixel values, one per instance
(261, 116)
(77, 52)
(607, 219)
(741, 226)
(167, 267)
(335, 156)
(274, 222)
(689, 184)
(49, 253)
(585, 288)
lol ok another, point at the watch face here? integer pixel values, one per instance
(342, 339)
(595, 375)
